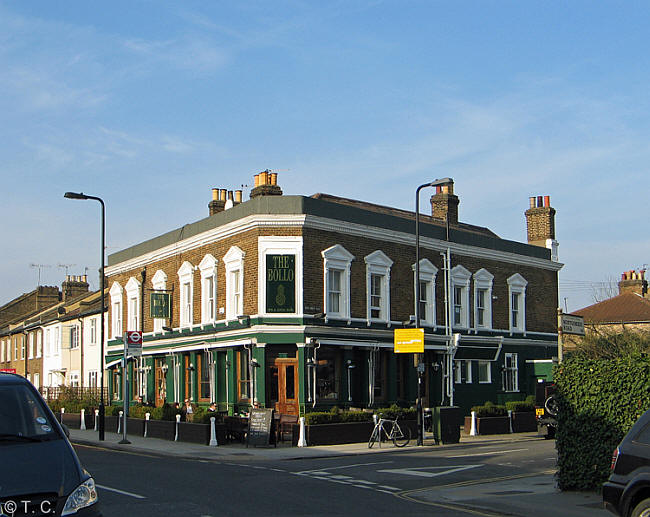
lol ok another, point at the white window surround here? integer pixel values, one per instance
(510, 372)
(233, 263)
(460, 277)
(132, 289)
(517, 285)
(378, 263)
(337, 258)
(278, 246)
(186, 298)
(208, 268)
(115, 294)
(428, 274)
(483, 280)
(159, 283)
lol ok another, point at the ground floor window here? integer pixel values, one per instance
(243, 376)
(484, 372)
(204, 377)
(92, 379)
(510, 373)
(327, 378)
(462, 371)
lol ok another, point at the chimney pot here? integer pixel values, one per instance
(238, 194)
(274, 178)
(257, 180)
(532, 201)
(264, 177)
(215, 194)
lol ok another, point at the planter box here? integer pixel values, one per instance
(163, 429)
(135, 426)
(488, 425)
(110, 424)
(523, 421)
(349, 432)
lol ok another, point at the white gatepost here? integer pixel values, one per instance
(302, 442)
(119, 422)
(213, 432)
(472, 429)
(83, 420)
(96, 419)
(146, 423)
(510, 419)
(178, 423)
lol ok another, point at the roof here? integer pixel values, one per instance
(340, 209)
(624, 308)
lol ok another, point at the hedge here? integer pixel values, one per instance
(599, 400)
(489, 409)
(335, 415)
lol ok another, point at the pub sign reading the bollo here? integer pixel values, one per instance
(159, 306)
(280, 283)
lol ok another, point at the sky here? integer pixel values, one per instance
(150, 104)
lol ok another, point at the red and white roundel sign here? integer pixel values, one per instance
(133, 337)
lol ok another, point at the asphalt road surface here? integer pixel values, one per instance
(393, 483)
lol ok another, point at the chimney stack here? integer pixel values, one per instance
(217, 204)
(444, 204)
(74, 286)
(633, 282)
(540, 221)
(266, 184)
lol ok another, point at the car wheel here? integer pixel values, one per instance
(642, 509)
(551, 405)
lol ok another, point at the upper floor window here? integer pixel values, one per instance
(133, 308)
(186, 281)
(510, 373)
(336, 267)
(517, 306)
(483, 299)
(93, 331)
(115, 294)
(39, 343)
(74, 337)
(378, 286)
(234, 266)
(159, 283)
(57, 340)
(427, 301)
(48, 343)
(208, 268)
(31, 345)
(460, 278)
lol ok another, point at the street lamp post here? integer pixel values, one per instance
(420, 360)
(81, 195)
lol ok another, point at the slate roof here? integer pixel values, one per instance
(624, 308)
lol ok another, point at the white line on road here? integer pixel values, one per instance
(120, 491)
(440, 471)
(343, 467)
(483, 453)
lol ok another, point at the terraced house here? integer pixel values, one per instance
(291, 302)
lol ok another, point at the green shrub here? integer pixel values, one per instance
(530, 399)
(520, 405)
(599, 400)
(205, 417)
(333, 418)
(112, 410)
(395, 411)
(489, 409)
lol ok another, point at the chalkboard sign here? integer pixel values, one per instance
(260, 427)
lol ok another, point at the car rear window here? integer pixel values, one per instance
(23, 414)
(644, 436)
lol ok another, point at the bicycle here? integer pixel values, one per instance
(400, 437)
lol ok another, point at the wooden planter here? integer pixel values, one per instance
(488, 425)
(348, 432)
(163, 429)
(524, 421)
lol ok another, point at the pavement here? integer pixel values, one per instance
(526, 495)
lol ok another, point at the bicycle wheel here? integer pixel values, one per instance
(401, 437)
(373, 437)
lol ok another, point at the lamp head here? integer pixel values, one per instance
(75, 195)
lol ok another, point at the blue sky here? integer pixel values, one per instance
(150, 104)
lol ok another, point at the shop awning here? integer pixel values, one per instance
(478, 349)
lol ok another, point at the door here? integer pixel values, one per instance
(161, 392)
(282, 386)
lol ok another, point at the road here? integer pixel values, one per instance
(406, 482)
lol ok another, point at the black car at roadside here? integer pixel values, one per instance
(627, 491)
(40, 473)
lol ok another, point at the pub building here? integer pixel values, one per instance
(291, 302)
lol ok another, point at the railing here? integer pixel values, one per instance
(58, 392)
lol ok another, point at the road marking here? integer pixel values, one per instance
(340, 476)
(364, 482)
(418, 471)
(120, 491)
(484, 453)
(345, 467)
(387, 487)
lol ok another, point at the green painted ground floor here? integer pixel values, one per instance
(317, 373)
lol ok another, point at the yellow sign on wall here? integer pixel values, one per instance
(409, 341)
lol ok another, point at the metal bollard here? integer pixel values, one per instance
(213, 432)
(178, 422)
(83, 420)
(472, 429)
(119, 422)
(146, 423)
(302, 442)
(96, 419)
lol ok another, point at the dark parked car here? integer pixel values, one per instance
(627, 492)
(546, 406)
(40, 473)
